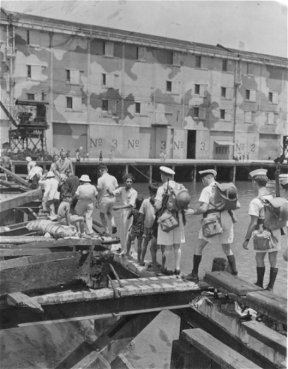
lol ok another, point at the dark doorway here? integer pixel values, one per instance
(191, 144)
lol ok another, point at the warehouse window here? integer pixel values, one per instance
(168, 86)
(69, 102)
(250, 95)
(29, 71)
(104, 79)
(225, 65)
(68, 75)
(222, 114)
(28, 37)
(198, 61)
(105, 105)
(223, 91)
(270, 96)
(43, 96)
(197, 89)
(137, 107)
(30, 97)
(196, 112)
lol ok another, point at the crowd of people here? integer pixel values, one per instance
(158, 220)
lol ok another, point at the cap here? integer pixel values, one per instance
(167, 170)
(85, 178)
(28, 158)
(207, 171)
(258, 172)
(50, 175)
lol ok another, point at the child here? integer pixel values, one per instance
(66, 218)
(148, 211)
(137, 227)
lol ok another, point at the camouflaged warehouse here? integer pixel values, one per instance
(132, 95)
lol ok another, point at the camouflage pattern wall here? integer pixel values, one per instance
(144, 100)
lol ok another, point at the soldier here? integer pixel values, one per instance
(257, 216)
(207, 208)
(173, 238)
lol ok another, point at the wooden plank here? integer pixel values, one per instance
(20, 199)
(267, 335)
(24, 252)
(20, 239)
(267, 303)
(15, 177)
(220, 353)
(45, 242)
(20, 299)
(38, 272)
(230, 283)
(12, 186)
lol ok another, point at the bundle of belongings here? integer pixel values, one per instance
(55, 229)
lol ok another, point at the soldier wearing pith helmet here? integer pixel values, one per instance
(222, 219)
(257, 215)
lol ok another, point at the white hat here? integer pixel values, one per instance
(28, 158)
(50, 175)
(85, 178)
(207, 171)
(283, 179)
(258, 172)
(167, 170)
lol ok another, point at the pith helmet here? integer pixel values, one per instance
(85, 178)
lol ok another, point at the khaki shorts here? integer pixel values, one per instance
(73, 219)
(106, 204)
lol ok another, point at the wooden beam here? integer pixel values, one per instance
(230, 283)
(45, 242)
(20, 299)
(15, 177)
(97, 308)
(265, 302)
(20, 199)
(109, 344)
(220, 353)
(267, 335)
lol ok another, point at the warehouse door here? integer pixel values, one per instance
(191, 144)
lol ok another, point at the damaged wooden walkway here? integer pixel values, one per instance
(130, 296)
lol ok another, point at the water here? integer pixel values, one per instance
(245, 258)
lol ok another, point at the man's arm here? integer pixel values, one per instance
(250, 229)
(201, 208)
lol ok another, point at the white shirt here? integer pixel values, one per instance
(104, 183)
(128, 197)
(86, 192)
(51, 188)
